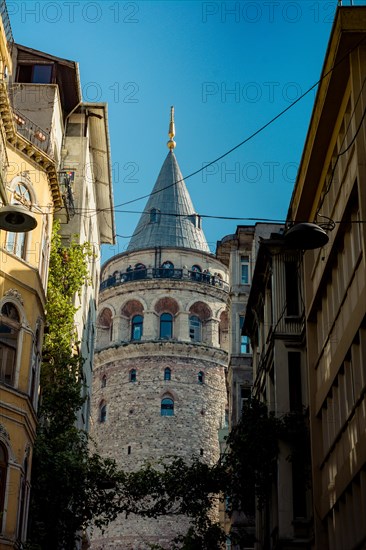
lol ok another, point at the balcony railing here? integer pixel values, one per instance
(32, 132)
(163, 273)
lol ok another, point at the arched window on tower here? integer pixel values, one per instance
(201, 377)
(9, 331)
(133, 375)
(167, 374)
(166, 326)
(167, 407)
(103, 381)
(136, 327)
(3, 475)
(102, 412)
(195, 328)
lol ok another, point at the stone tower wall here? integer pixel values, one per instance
(132, 428)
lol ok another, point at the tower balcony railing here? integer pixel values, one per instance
(131, 275)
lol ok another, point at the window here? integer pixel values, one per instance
(167, 374)
(166, 326)
(244, 340)
(195, 328)
(3, 472)
(245, 395)
(133, 375)
(154, 215)
(36, 74)
(294, 380)
(292, 294)
(136, 327)
(35, 364)
(167, 265)
(9, 330)
(201, 377)
(16, 242)
(167, 407)
(244, 270)
(104, 381)
(102, 413)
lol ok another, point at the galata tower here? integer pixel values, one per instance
(159, 375)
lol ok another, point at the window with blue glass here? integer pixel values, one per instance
(195, 328)
(102, 413)
(201, 377)
(136, 327)
(167, 374)
(167, 407)
(133, 375)
(244, 340)
(166, 326)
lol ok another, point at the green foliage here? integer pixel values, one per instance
(252, 457)
(71, 486)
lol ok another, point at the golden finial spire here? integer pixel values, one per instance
(171, 143)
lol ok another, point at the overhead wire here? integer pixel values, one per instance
(93, 211)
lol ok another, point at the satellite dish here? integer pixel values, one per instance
(17, 219)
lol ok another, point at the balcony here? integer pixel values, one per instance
(163, 273)
(32, 132)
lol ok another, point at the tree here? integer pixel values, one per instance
(71, 485)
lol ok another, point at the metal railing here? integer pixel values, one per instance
(32, 132)
(163, 273)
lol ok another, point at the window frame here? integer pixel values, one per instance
(132, 375)
(4, 464)
(244, 263)
(195, 331)
(135, 325)
(165, 406)
(167, 374)
(103, 412)
(14, 328)
(164, 322)
(17, 242)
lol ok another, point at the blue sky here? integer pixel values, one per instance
(227, 67)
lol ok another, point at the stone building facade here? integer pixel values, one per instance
(161, 354)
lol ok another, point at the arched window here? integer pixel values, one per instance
(3, 473)
(154, 215)
(102, 412)
(9, 330)
(104, 381)
(201, 377)
(195, 328)
(166, 326)
(136, 327)
(167, 265)
(167, 407)
(16, 242)
(167, 374)
(196, 272)
(133, 375)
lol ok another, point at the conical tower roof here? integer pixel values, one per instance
(169, 219)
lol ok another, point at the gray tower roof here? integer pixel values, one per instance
(169, 218)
